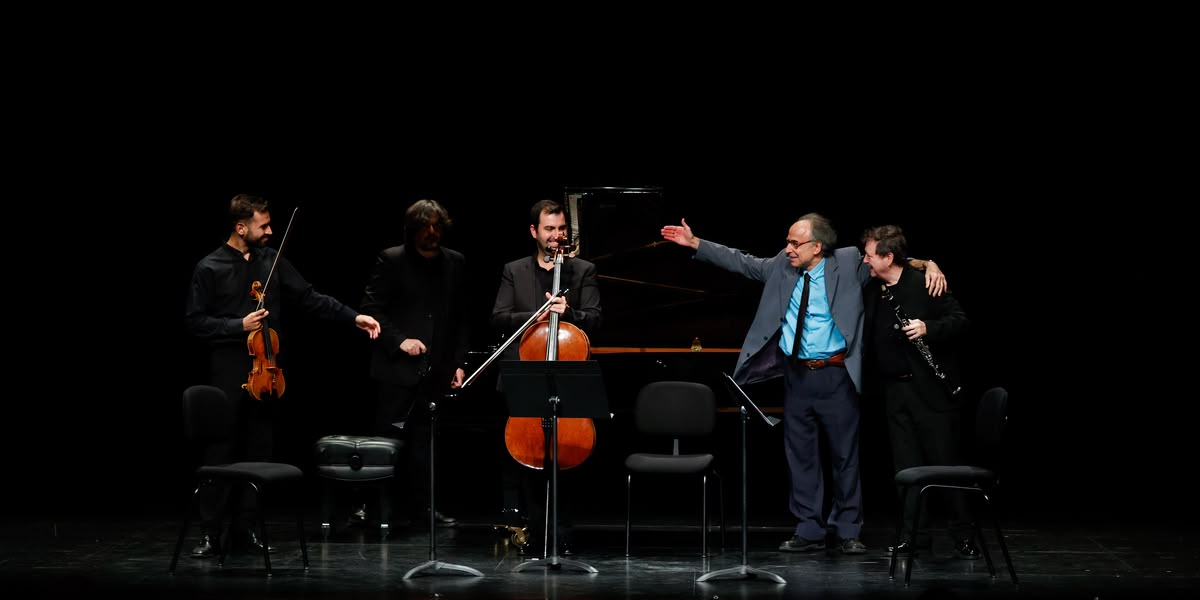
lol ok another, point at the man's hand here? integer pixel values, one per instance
(935, 281)
(681, 234)
(915, 329)
(368, 324)
(559, 306)
(412, 346)
(253, 321)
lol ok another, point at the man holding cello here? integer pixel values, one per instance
(525, 285)
(232, 293)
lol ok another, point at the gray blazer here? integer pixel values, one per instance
(845, 276)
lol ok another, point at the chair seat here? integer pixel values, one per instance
(683, 464)
(258, 472)
(357, 458)
(945, 474)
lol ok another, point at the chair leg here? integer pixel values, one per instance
(300, 533)
(721, 504)
(704, 516)
(385, 507)
(261, 523)
(899, 533)
(975, 527)
(327, 508)
(183, 529)
(233, 492)
(1012, 571)
(628, 493)
(916, 526)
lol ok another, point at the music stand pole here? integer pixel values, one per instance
(743, 571)
(434, 565)
(554, 561)
(554, 388)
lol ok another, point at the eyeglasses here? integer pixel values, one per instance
(796, 245)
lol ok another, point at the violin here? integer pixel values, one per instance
(265, 378)
(526, 437)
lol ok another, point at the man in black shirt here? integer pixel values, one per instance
(222, 311)
(911, 336)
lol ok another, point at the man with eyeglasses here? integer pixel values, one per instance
(417, 291)
(811, 287)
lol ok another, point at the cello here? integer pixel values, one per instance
(527, 438)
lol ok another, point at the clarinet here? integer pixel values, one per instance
(922, 347)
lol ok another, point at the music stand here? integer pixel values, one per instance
(433, 564)
(744, 571)
(554, 389)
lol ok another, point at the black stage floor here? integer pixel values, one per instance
(123, 556)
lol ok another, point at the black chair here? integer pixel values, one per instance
(676, 409)
(976, 481)
(208, 420)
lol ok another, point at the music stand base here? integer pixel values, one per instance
(437, 566)
(740, 572)
(554, 563)
(744, 571)
(433, 564)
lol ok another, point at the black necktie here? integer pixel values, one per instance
(800, 318)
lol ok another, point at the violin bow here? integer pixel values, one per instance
(271, 273)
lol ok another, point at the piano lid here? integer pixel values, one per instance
(654, 295)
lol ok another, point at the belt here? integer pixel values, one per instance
(837, 360)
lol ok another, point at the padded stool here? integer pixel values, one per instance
(359, 460)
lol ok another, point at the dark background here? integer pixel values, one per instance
(1044, 222)
(1079, 412)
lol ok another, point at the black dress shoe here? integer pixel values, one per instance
(511, 517)
(359, 516)
(904, 545)
(439, 519)
(251, 542)
(208, 548)
(966, 550)
(800, 544)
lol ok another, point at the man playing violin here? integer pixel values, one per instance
(226, 309)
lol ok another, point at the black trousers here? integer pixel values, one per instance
(925, 428)
(254, 437)
(402, 412)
